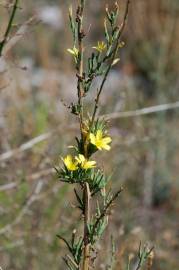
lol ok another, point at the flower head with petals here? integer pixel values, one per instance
(99, 141)
(84, 163)
(101, 46)
(70, 163)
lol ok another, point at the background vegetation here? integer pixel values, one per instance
(36, 79)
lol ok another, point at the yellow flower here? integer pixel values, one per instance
(99, 141)
(100, 47)
(84, 163)
(74, 52)
(70, 163)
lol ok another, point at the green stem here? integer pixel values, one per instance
(9, 26)
(86, 190)
(110, 65)
(79, 19)
(86, 256)
(103, 214)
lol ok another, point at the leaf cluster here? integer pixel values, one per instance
(95, 178)
(75, 247)
(99, 60)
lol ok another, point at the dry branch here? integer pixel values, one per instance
(143, 111)
(24, 210)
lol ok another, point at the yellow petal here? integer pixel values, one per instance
(69, 163)
(99, 134)
(81, 158)
(71, 51)
(106, 147)
(107, 140)
(98, 145)
(89, 164)
(67, 159)
(92, 138)
(92, 163)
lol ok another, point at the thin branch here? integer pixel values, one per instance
(143, 111)
(9, 26)
(25, 146)
(18, 35)
(24, 209)
(31, 177)
(40, 174)
(65, 241)
(31, 143)
(104, 212)
(8, 186)
(87, 196)
(111, 63)
(79, 66)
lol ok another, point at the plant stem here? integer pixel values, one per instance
(103, 214)
(9, 26)
(86, 255)
(79, 19)
(112, 60)
(86, 190)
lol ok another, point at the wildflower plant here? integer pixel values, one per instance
(79, 167)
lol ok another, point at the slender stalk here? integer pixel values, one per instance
(112, 60)
(86, 258)
(86, 190)
(79, 67)
(103, 214)
(9, 26)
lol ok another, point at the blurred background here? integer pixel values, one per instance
(36, 79)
